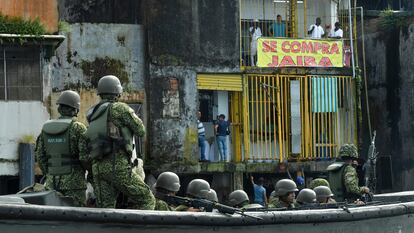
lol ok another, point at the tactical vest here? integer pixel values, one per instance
(104, 137)
(55, 135)
(335, 178)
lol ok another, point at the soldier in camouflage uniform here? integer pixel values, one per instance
(324, 195)
(343, 177)
(197, 189)
(285, 191)
(112, 125)
(59, 150)
(305, 197)
(168, 183)
(239, 199)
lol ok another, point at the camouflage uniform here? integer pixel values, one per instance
(112, 174)
(73, 184)
(162, 205)
(182, 208)
(276, 203)
(351, 182)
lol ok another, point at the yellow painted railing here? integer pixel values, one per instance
(302, 117)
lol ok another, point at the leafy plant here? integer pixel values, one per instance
(28, 138)
(390, 20)
(20, 26)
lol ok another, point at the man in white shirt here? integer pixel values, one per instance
(256, 33)
(316, 30)
(201, 138)
(337, 32)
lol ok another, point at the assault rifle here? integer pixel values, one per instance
(370, 170)
(207, 205)
(339, 205)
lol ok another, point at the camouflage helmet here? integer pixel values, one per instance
(348, 151)
(69, 98)
(323, 192)
(285, 186)
(198, 188)
(109, 84)
(318, 182)
(168, 181)
(212, 195)
(306, 196)
(237, 197)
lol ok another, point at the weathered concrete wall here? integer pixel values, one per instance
(390, 88)
(185, 37)
(93, 50)
(47, 11)
(101, 11)
(22, 119)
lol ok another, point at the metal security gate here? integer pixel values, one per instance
(302, 117)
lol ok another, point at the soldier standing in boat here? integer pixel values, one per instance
(168, 183)
(343, 177)
(285, 191)
(59, 150)
(112, 126)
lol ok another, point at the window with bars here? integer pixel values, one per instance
(20, 73)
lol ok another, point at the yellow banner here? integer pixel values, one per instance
(282, 52)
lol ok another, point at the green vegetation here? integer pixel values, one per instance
(104, 66)
(28, 139)
(390, 20)
(63, 27)
(20, 26)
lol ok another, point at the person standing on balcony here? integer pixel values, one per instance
(337, 32)
(316, 30)
(201, 138)
(278, 28)
(256, 33)
(259, 191)
(221, 129)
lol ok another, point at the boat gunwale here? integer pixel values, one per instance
(146, 217)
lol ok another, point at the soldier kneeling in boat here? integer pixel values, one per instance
(285, 191)
(306, 197)
(239, 199)
(168, 183)
(324, 195)
(196, 189)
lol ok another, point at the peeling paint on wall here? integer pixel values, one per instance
(94, 50)
(90, 98)
(171, 99)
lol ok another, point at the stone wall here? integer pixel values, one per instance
(390, 76)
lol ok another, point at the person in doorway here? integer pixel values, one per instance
(278, 28)
(201, 138)
(221, 129)
(256, 33)
(337, 33)
(316, 30)
(259, 191)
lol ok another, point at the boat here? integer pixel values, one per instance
(47, 212)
